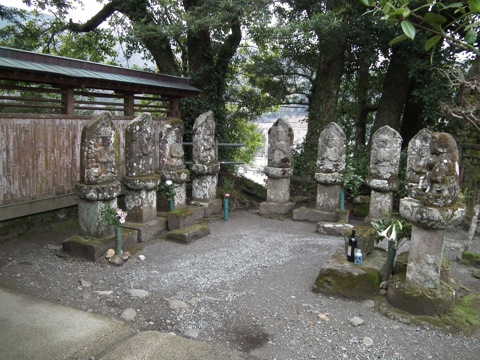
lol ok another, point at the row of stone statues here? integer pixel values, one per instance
(432, 169)
(432, 178)
(100, 185)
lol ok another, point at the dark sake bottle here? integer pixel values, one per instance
(352, 245)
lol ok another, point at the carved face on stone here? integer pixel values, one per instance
(280, 140)
(433, 174)
(97, 163)
(331, 150)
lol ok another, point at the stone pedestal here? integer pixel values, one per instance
(381, 204)
(428, 231)
(141, 198)
(381, 198)
(179, 179)
(92, 199)
(204, 187)
(211, 207)
(278, 190)
(328, 197)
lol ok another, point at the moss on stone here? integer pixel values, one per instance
(86, 240)
(363, 284)
(471, 259)
(182, 212)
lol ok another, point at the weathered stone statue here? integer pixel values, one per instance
(171, 160)
(140, 181)
(279, 169)
(330, 171)
(98, 186)
(418, 156)
(384, 164)
(205, 164)
(432, 177)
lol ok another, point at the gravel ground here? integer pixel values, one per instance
(247, 286)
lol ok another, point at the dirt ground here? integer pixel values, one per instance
(247, 286)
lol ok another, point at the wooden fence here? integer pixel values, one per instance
(40, 159)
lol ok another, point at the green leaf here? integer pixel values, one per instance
(470, 37)
(398, 39)
(366, 2)
(474, 5)
(473, 25)
(408, 28)
(431, 42)
(432, 18)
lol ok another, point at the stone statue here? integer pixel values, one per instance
(280, 141)
(418, 156)
(331, 150)
(385, 155)
(204, 143)
(98, 148)
(278, 170)
(171, 148)
(433, 169)
(139, 136)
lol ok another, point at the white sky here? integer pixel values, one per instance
(78, 15)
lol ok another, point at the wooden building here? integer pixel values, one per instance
(44, 103)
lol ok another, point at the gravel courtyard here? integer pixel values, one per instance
(247, 286)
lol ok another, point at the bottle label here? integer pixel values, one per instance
(349, 251)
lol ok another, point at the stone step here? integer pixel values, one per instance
(188, 234)
(183, 217)
(92, 249)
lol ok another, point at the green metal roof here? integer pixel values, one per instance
(29, 62)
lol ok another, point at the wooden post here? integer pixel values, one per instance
(173, 110)
(68, 101)
(128, 105)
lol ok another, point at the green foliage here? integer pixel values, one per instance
(464, 316)
(111, 216)
(166, 190)
(357, 169)
(396, 231)
(302, 180)
(455, 22)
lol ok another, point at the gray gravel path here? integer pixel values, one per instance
(247, 286)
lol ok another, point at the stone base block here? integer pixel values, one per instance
(149, 230)
(342, 216)
(313, 215)
(329, 228)
(271, 208)
(211, 207)
(188, 234)
(343, 278)
(417, 300)
(92, 249)
(180, 218)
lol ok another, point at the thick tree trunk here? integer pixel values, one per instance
(412, 121)
(394, 94)
(326, 85)
(362, 97)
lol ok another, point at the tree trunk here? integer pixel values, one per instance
(326, 85)
(394, 94)
(362, 96)
(412, 121)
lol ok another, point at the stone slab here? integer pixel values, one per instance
(313, 215)
(157, 345)
(211, 207)
(37, 329)
(149, 230)
(343, 278)
(188, 234)
(272, 208)
(180, 218)
(329, 228)
(92, 249)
